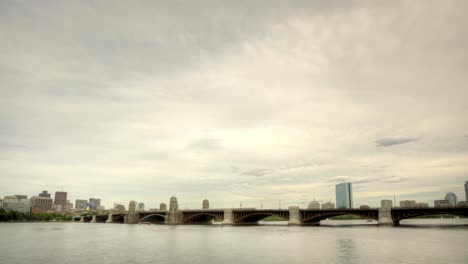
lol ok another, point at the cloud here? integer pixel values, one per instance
(387, 142)
(205, 144)
(257, 172)
(146, 101)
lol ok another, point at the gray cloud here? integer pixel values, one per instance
(387, 142)
(205, 144)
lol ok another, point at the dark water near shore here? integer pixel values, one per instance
(117, 243)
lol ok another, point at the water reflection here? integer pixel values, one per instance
(346, 251)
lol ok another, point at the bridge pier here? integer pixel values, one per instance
(294, 216)
(385, 212)
(93, 220)
(109, 219)
(82, 219)
(228, 217)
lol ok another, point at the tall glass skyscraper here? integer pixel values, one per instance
(344, 195)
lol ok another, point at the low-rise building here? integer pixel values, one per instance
(442, 203)
(13, 203)
(408, 203)
(421, 205)
(463, 204)
(81, 204)
(328, 205)
(364, 207)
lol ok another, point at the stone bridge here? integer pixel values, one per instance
(294, 215)
(405, 213)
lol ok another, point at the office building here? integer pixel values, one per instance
(313, 205)
(41, 204)
(94, 203)
(344, 195)
(17, 203)
(408, 203)
(60, 199)
(442, 203)
(81, 204)
(421, 205)
(328, 205)
(452, 198)
(44, 194)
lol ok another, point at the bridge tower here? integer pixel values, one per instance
(174, 216)
(294, 215)
(228, 217)
(206, 204)
(132, 216)
(385, 212)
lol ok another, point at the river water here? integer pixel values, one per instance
(85, 243)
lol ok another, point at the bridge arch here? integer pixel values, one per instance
(202, 218)
(397, 217)
(322, 216)
(257, 216)
(154, 218)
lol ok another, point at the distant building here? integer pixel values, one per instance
(466, 191)
(344, 195)
(17, 203)
(58, 208)
(94, 203)
(408, 203)
(60, 199)
(1, 203)
(364, 207)
(386, 203)
(463, 204)
(442, 203)
(101, 208)
(41, 204)
(68, 205)
(44, 194)
(173, 204)
(141, 207)
(206, 204)
(452, 198)
(162, 207)
(21, 197)
(81, 204)
(119, 208)
(328, 205)
(313, 205)
(421, 205)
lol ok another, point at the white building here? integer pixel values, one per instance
(13, 203)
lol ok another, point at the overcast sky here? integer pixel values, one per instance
(252, 101)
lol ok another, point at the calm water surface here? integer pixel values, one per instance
(117, 243)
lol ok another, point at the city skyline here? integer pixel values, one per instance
(342, 192)
(236, 102)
